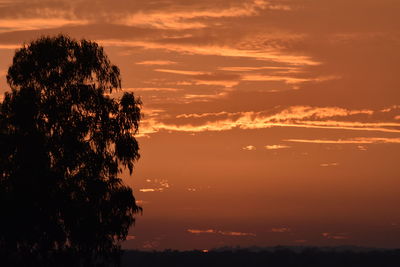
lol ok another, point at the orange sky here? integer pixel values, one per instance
(266, 122)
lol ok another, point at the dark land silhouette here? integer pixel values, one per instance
(64, 141)
(272, 257)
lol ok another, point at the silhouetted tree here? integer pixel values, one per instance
(63, 143)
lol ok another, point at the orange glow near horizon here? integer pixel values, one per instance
(265, 122)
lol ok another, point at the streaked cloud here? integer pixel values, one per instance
(213, 231)
(391, 108)
(29, 24)
(281, 230)
(196, 231)
(286, 79)
(358, 140)
(335, 236)
(182, 72)
(182, 18)
(246, 69)
(130, 237)
(333, 164)
(267, 54)
(274, 147)
(156, 62)
(141, 202)
(146, 190)
(157, 185)
(152, 89)
(236, 233)
(296, 116)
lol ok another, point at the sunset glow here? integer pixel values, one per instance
(265, 122)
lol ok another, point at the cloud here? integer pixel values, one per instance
(236, 233)
(212, 231)
(286, 79)
(141, 202)
(210, 114)
(206, 78)
(151, 244)
(295, 116)
(10, 46)
(152, 89)
(329, 164)
(130, 237)
(156, 62)
(182, 72)
(196, 231)
(358, 140)
(274, 147)
(337, 236)
(146, 190)
(267, 54)
(391, 108)
(25, 24)
(182, 18)
(249, 148)
(281, 230)
(157, 185)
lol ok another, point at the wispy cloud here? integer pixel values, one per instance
(297, 116)
(267, 54)
(182, 72)
(333, 164)
(335, 236)
(281, 230)
(152, 89)
(130, 237)
(249, 148)
(275, 147)
(25, 24)
(358, 140)
(236, 233)
(157, 185)
(286, 79)
(212, 231)
(196, 231)
(181, 18)
(156, 62)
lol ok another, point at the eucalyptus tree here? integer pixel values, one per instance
(64, 143)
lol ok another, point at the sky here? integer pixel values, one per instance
(265, 122)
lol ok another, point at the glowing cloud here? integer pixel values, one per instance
(156, 62)
(182, 72)
(274, 147)
(130, 237)
(249, 148)
(337, 236)
(267, 54)
(296, 116)
(212, 231)
(329, 164)
(236, 233)
(195, 231)
(152, 89)
(359, 140)
(281, 230)
(181, 19)
(37, 23)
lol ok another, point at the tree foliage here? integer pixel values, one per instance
(64, 141)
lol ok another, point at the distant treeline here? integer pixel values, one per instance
(279, 257)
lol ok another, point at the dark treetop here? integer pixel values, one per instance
(63, 143)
